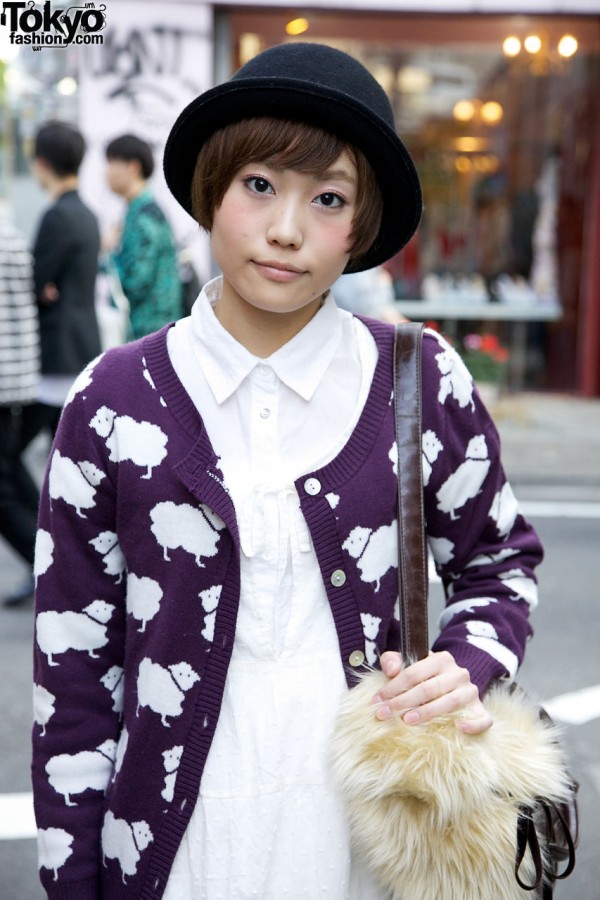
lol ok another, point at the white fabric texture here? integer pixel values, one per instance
(53, 390)
(267, 823)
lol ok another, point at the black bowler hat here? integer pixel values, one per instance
(322, 86)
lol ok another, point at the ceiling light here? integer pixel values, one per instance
(533, 43)
(463, 164)
(511, 46)
(492, 112)
(296, 26)
(470, 144)
(567, 46)
(464, 110)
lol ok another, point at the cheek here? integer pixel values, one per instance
(337, 236)
(233, 220)
(116, 179)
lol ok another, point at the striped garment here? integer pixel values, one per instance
(19, 334)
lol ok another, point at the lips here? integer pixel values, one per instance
(278, 271)
(282, 267)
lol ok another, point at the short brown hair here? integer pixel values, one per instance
(287, 144)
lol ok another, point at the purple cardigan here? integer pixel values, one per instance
(138, 583)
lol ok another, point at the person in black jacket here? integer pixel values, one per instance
(65, 264)
(65, 258)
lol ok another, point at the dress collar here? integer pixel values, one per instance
(300, 364)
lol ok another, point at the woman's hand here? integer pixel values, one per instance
(434, 686)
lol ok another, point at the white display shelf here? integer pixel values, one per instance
(517, 314)
(487, 312)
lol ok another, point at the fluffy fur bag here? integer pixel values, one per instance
(435, 812)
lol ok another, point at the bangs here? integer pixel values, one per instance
(284, 144)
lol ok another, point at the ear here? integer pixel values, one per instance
(40, 165)
(134, 167)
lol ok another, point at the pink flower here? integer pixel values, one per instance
(472, 341)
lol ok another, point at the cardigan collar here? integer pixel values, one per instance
(176, 398)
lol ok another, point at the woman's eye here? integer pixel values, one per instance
(330, 200)
(258, 185)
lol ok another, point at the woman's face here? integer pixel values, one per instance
(282, 237)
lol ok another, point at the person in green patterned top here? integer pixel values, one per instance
(145, 257)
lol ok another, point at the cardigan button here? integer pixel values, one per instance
(356, 658)
(338, 578)
(312, 486)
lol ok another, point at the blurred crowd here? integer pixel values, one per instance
(77, 292)
(51, 321)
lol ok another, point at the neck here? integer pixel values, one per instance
(134, 190)
(259, 331)
(60, 186)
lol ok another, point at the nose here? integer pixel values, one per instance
(285, 227)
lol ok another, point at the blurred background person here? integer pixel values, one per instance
(144, 256)
(369, 293)
(65, 260)
(19, 376)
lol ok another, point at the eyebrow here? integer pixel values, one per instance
(339, 174)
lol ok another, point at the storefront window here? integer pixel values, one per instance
(497, 112)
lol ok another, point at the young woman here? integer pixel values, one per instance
(217, 549)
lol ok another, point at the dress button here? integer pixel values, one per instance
(265, 413)
(264, 370)
(356, 658)
(338, 578)
(312, 486)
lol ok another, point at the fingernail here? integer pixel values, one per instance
(389, 666)
(377, 699)
(384, 712)
(411, 717)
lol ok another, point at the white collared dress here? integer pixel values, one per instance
(268, 823)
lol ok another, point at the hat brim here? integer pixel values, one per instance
(327, 108)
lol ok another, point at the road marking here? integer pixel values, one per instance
(575, 708)
(560, 509)
(594, 773)
(17, 820)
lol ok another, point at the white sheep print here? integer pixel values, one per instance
(266, 782)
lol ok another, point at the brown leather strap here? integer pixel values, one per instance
(412, 567)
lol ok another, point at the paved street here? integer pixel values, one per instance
(551, 452)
